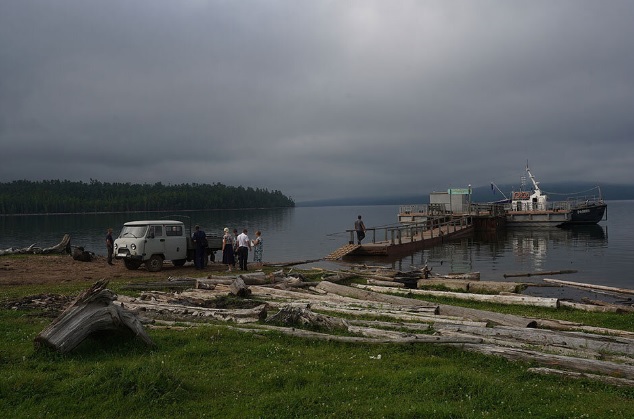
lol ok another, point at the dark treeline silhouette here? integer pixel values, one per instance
(63, 196)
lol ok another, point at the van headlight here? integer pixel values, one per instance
(133, 246)
(116, 246)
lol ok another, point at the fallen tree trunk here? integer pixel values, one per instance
(572, 363)
(381, 283)
(411, 338)
(369, 295)
(563, 271)
(393, 325)
(452, 284)
(619, 308)
(92, 311)
(334, 301)
(62, 247)
(283, 264)
(498, 299)
(171, 283)
(577, 375)
(590, 307)
(165, 309)
(538, 337)
(591, 286)
(495, 286)
(446, 310)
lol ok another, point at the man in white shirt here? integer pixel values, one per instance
(244, 244)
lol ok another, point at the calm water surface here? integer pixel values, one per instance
(601, 254)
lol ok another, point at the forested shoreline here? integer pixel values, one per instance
(64, 196)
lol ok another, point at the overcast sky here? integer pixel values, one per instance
(317, 99)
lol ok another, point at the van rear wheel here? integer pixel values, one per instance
(179, 262)
(154, 263)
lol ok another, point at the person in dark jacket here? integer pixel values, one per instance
(360, 229)
(109, 246)
(200, 238)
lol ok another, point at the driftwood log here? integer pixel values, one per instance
(499, 299)
(570, 374)
(62, 247)
(301, 315)
(561, 272)
(590, 286)
(92, 311)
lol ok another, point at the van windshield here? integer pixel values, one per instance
(133, 231)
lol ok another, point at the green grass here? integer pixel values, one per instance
(212, 371)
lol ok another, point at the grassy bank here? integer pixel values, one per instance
(212, 371)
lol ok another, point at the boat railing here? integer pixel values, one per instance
(584, 200)
(567, 205)
(492, 209)
(397, 234)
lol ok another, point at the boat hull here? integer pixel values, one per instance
(586, 214)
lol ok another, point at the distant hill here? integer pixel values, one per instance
(342, 202)
(611, 192)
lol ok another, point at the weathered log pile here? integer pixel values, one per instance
(326, 310)
(285, 303)
(62, 247)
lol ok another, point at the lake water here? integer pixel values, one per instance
(601, 254)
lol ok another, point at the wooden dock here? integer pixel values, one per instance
(406, 238)
(342, 251)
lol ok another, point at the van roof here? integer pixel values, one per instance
(146, 222)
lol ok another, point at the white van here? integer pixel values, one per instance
(151, 242)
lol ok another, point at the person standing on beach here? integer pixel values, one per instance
(359, 227)
(257, 248)
(228, 257)
(235, 246)
(200, 238)
(244, 244)
(109, 246)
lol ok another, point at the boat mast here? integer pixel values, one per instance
(535, 183)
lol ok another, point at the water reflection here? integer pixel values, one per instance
(494, 254)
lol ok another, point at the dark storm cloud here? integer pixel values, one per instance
(317, 99)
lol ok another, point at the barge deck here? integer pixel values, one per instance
(390, 241)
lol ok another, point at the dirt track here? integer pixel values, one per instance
(56, 269)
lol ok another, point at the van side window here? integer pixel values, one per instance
(173, 230)
(155, 231)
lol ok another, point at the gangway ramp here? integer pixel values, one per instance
(342, 251)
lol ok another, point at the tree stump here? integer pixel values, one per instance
(92, 311)
(81, 255)
(239, 288)
(293, 315)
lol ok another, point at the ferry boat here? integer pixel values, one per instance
(534, 208)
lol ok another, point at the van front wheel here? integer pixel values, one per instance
(154, 263)
(132, 265)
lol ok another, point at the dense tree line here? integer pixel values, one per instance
(63, 196)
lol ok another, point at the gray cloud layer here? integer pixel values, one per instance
(318, 98)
